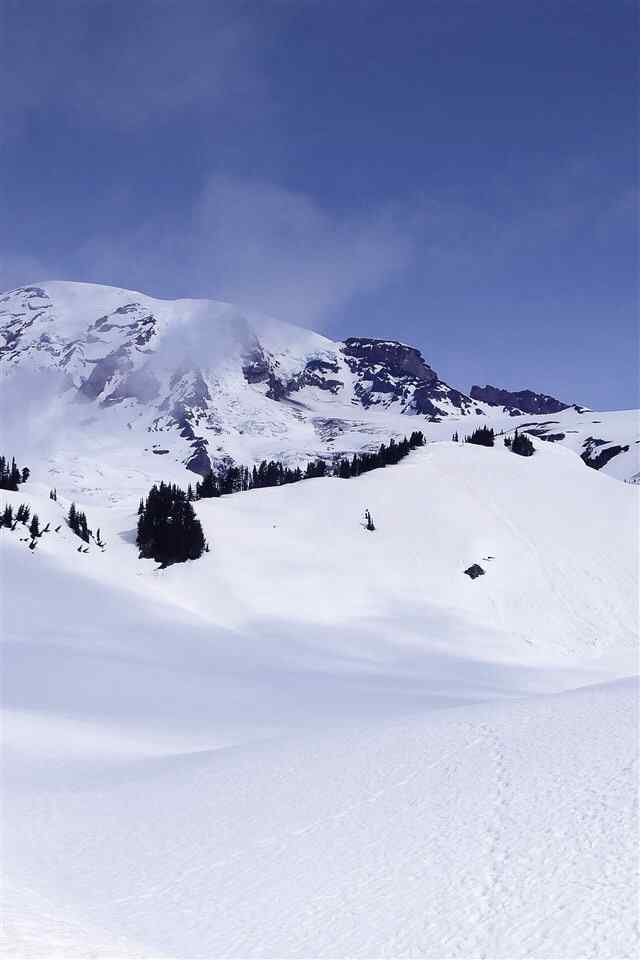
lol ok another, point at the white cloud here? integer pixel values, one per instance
(258, 245)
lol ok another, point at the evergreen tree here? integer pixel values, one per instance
(34, 527)
(7, 516)
(207, 487)
(23, 513)
(369, 524)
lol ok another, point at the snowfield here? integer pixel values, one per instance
(501, 830)
(320, 741)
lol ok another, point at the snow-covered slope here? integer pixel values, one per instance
(487, 831)
(287, 749)
(113, 379)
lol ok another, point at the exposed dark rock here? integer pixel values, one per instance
(475, 570)
(599, 460)
(199, 461)
(520, 401)
(255, 367)
(388, 370)
(139, 385)
(398, 359)
(104, 370)
(315, 375)
(276, 389)
(316, 364)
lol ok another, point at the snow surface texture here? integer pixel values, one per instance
(320, 741)
(116, 388)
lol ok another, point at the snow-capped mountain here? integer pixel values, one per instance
(201, 383)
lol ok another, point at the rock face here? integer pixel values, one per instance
(597, 453)
(516, 402)
(388, 371)
(395, 359)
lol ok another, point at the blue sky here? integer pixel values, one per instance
(459, 175)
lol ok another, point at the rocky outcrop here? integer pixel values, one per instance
(388, 371)
(520, 401)
(397, 360)
(597, 453)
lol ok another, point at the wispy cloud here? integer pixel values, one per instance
(258, 245)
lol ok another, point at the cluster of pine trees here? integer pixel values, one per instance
(269, 473)
(168, 529)
(10, 519)
(520, 443)
(11, 475)
(23, 515)
(387, 455)
(482, 436)
(77, 521)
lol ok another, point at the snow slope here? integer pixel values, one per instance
(319, 741)
(487, 831)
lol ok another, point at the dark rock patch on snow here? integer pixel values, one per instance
(520, 401)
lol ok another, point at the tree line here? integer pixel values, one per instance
(273, 473)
